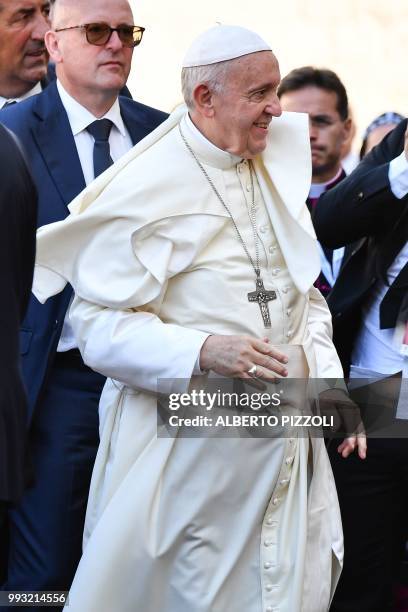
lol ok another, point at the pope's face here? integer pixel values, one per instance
(244, 109)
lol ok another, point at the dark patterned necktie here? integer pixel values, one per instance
(100, 130)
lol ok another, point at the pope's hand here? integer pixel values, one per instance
(236, 355)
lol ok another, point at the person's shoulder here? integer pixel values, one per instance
(142, 112)
(9, 143)
(13, 115)
(395, 139)
(11, 157)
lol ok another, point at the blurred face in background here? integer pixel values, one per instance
(376, 136)
(328, 131)
(23, 56)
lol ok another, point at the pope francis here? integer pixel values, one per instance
(195, 254)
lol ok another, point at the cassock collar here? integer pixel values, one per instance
(205, 150)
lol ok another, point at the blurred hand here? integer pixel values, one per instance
(337, 403)
(349, 445)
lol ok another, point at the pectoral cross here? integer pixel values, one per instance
(262, 296)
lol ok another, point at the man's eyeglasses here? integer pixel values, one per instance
(100, 33)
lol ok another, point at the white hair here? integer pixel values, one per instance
(212, 75)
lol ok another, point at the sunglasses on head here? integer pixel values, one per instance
(100, 33)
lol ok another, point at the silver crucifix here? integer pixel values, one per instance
(262, 296)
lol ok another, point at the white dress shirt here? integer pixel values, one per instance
(120, 143)
(331, 269)
(376, 350)
(33, 91)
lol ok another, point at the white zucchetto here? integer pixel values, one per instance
(221, 43)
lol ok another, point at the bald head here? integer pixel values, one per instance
(62, 11)
(57, 10)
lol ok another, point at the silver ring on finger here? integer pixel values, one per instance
(252, 370)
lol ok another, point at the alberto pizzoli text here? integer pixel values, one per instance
(253, 420)
(240, 401)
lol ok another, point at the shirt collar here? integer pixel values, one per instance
(206, 150)
(32, 92)
(79, 117)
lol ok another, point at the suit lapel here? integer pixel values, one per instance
(136, 129)
(57, 146)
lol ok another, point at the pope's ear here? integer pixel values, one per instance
(203, 100)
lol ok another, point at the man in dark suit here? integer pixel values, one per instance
(369, 304)
(72, 131)
(18, 212)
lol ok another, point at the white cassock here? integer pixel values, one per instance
(203, 524)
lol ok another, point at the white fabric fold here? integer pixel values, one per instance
(143, 218)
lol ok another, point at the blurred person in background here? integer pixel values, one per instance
(378, 129)
(369, 304)
(18, 217)
(320, 93)
(23, 55)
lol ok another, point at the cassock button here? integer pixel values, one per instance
(269, 587)
(289, 333)
(276, 501)
(267, 565)
(276, 271)
(289, 460)
(284, 482)
(288, 312)
(268, 543)
(263, 229)
(272, 249)
(248, 188)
